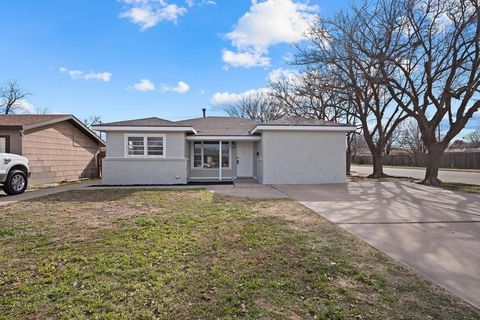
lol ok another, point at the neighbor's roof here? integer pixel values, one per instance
(32, 121)
(220, 126)
(21, 120)
(299, 121)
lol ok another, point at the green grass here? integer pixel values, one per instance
(465, 187)
(123, 254)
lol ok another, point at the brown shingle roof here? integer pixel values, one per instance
(30, 121)
(21, 120)
(299, 121)
(220, 126)
(145, 122)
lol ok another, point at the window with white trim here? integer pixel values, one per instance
(207, 154)
(145, 146)
(155, 146)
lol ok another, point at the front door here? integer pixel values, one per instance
(244, 159)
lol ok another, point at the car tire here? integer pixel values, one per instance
(16, 182)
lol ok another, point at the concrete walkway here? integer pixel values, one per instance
(434, 231)
(249, 188)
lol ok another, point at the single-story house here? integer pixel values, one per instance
(156, 151)
(59, 147)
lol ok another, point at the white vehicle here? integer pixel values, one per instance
(14, 173)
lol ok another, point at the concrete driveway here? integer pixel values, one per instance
(434, 231)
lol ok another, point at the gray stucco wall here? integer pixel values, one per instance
(128, 171)
(121, 170)
(303, 157)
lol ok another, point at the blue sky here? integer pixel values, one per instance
(85, 57)
(124, 59)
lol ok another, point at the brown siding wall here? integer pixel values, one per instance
(60, 152)
(15, 140)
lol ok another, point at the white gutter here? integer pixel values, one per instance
(224, 138)
(305, 128)
(143, 128)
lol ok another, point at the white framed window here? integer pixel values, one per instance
(211, 154)
(152, 145)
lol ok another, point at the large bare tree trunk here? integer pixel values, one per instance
(349, 159)
(377, 160)
(434, 156)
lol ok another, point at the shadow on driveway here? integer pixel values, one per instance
(434, 231)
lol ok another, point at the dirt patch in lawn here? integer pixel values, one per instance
(190, 254)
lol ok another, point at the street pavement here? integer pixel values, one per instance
(470, 177)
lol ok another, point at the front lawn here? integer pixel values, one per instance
(124, 254)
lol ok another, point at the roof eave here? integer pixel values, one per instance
(144, 128)
(303, 128)
(223, 137)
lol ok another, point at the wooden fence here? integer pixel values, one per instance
(457, 160)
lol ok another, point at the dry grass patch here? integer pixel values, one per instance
(116, 254)
(464, 187)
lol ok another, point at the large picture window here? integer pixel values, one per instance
(145, 146)
(206, 155)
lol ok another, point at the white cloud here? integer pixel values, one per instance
(24, 105)
(144, 85)
(78, 74)
(288, 56)
(268, 23)
(181, 87)
(222, 99)
(245, 59)
(283, 74)
(148, 13)
(192, 3)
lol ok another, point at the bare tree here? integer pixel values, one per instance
(473, 139)
(92, 120)
(335, 50)
(430, 58)
(307, 95)
(41, 110)
(458, 144)
(11, 96)
(258, 106)
(410, 138)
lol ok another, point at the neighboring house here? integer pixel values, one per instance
(288, 151)
(59, 147)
